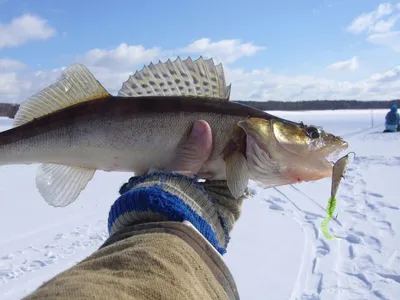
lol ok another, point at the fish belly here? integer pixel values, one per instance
(132, 144)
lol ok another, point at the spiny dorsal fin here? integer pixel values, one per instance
(75, 84)
(182, 77)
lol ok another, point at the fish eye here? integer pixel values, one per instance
(313, 132)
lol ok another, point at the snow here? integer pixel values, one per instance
(277, 249)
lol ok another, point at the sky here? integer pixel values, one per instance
(270, 50)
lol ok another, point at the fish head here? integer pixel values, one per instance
(281, 152)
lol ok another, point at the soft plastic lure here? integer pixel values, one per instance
(339, 168)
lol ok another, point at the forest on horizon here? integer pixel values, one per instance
(9, 110)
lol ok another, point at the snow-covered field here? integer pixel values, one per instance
(277, 250)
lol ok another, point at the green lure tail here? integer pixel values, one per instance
(330, 212)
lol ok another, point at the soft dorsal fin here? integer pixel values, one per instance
(182, 77)
(75, 84)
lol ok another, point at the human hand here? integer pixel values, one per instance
(220, 214)
(195, 152)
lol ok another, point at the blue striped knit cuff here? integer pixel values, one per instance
(144, 204)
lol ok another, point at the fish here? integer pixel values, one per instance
(74, 127)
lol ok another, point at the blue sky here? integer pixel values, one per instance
(284, 50)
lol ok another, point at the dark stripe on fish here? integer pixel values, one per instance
(120, 107)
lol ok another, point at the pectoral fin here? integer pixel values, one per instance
(237, 173)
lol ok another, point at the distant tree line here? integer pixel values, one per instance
(320, 104)
(9, 110)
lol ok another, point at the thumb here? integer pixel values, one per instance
(197, 149)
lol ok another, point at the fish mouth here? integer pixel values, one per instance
(327, 159)
(332, 151)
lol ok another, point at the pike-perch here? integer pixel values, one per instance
(74, 127)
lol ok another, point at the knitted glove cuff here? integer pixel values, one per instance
(164, 196)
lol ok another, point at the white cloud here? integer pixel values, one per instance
(8, 84)
(388, 39)
(389, 76)
(23, 29)
(385, 25)
(380, 26)
(222, 51)
(112, 67)
(11, 64)
(384, 9)
(366, 21)
(17, 86)
(257, 85)
(348, 65)
(269, 86)
(123, 57)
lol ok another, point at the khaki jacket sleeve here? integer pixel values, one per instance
(164, 260)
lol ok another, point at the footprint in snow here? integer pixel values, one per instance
(361, 180)
(361, 239)
(394, 277)
(347, 184)
(360, 280)
(372, 207)
(385, 225)
(353, 239)
(346, 198)
(101, 237)
(16, 264)
(8, 256)
(322, 249)
(36, 264)
(351, 252)
(380, 295)
(359, 262)
(60, 236)
(356, 214)
(273, 203)
(277, 207)
(277, 199)
(367, 260)
(385, 205)
(359, 233)
(373, 241)
(311, 215)
(375, 195)
(310, 297)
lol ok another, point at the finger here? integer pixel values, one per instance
(197, 149)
